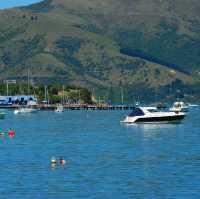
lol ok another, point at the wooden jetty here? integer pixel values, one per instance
(74, 107)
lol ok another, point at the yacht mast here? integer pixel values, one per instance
(28, 82)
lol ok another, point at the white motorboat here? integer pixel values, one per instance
(179, 107)
(31, 107)
(152, 115)
(59, 108)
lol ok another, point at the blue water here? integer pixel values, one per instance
(105, 159)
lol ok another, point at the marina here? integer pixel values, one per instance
(99, 99)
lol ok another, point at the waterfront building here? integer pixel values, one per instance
(17, 99)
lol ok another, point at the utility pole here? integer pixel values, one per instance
(7, 85)
(79, 97)
(45, 93)
(62, 101)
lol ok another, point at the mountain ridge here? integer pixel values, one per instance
(81, 42)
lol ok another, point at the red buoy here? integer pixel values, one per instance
(11, 133)
(62, 161)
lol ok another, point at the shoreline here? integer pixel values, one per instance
(74, 107)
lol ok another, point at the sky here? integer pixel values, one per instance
(13, 3)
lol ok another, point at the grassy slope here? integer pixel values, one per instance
(79, 42)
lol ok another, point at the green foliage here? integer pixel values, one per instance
(10, 33)
(69, 44)
(22, 49)
(55, 92)
(86, 96)
(66, 48)
(157, 72)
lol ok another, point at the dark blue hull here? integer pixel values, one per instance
(161, 119)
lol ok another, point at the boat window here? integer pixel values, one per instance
(152, 110)
(136, 112)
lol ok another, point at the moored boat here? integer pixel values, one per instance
(179, 107)
(59, 108)
(2, 115)
(31, 107)
(152, 115)
(193, 105)
(25, 110)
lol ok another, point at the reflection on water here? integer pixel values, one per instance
(150, 126)
(152, 129)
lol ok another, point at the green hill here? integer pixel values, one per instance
(144, 46)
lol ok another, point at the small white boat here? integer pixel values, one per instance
(179, 107)
(2, 115)
(137, 104)
(25, 110)
(152, 115)
(32, 103)
(59, 108)
(193, 105)
(31, 107)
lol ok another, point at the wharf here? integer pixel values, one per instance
(74, 107)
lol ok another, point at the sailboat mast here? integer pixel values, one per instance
(28, 83)
(122, 95)
(7, 87)
(62, 97)
(45, 93)
(79, 96)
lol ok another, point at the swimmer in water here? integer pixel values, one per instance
(1, 134)
(53, 160)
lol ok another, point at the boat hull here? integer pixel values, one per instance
(164, 119)
(155, 118)
(184, 110)
(25, 110)
(2, 115)
(59, 109)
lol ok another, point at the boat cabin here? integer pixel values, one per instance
(136, 112)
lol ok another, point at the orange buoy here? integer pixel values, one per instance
(11, 133)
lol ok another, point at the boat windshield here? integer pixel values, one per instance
(152, 110)
(136, 112)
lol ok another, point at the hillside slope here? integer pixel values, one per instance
(144, 45)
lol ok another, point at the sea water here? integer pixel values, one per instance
(104, 158)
